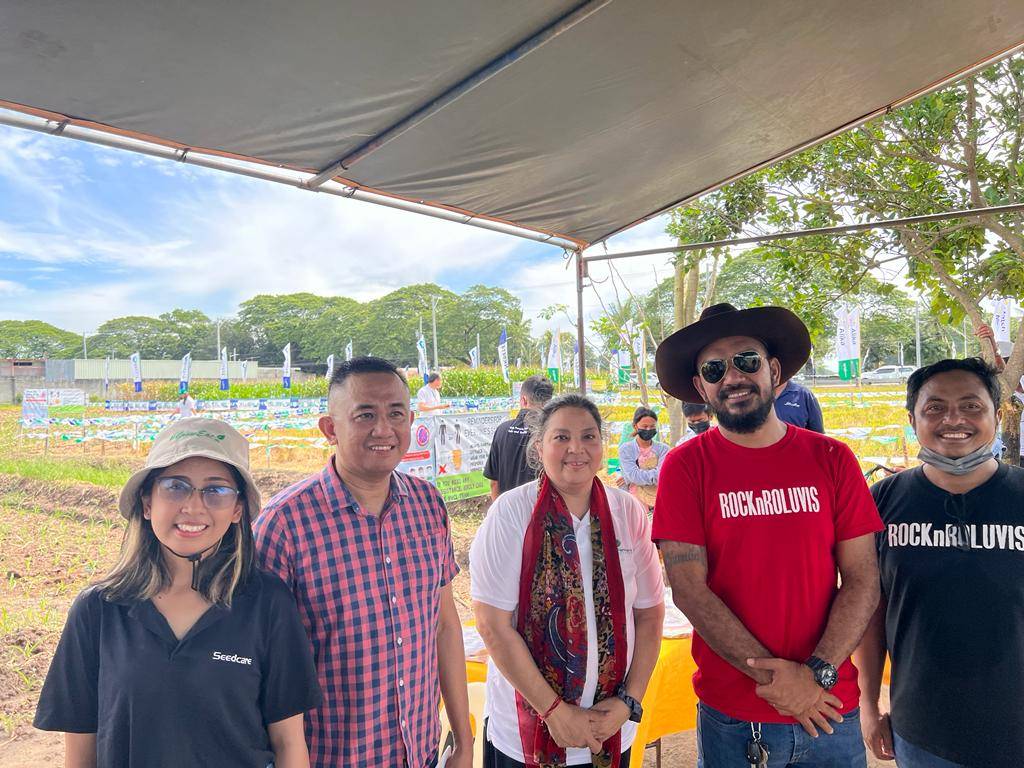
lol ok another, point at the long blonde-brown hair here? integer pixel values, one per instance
(141, 572)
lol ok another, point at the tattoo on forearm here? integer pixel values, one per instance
(687, 556)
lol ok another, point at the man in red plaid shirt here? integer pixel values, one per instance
(367, 552)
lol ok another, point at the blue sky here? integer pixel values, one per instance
(89, 233)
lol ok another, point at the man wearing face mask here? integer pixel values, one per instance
(698, 420)
(757, 520)
(952, 566)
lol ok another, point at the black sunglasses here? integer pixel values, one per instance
(713, 371)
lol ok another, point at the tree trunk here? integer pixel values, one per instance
(1011, 431)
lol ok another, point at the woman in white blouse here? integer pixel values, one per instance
(568, 597)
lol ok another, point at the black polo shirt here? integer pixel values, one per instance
(955, 614)
(156, 702)
(506, 462)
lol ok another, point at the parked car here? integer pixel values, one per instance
(888, 373)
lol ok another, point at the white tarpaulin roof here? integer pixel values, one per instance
(609, 113)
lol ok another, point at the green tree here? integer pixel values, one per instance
(122, 336)
(36, 339)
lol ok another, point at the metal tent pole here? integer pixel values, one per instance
(966, 213)
(581, 271)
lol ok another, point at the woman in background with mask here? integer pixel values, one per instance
(640, 458)
(952, 565)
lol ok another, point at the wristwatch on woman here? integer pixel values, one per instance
(825, 674)
(635, 710)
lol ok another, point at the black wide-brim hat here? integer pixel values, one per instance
(783, 334)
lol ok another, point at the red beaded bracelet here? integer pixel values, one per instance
(552, 708)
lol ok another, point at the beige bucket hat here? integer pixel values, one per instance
(184, 439)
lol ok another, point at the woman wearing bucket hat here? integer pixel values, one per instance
(184, 653)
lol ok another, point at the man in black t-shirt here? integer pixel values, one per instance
(952, 568)
(506, 465)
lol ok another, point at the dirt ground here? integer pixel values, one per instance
(56, 537)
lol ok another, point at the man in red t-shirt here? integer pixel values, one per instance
(756, 519)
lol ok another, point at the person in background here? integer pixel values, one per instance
(367, 551)
(640, 458)
(185, 653)
(507, 466)
(428, 398)
(569, 601)
(795, 404)
(186, 406)
(698, 420)
(952, 566)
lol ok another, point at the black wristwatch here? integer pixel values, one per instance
(825, 674)
(635, 710)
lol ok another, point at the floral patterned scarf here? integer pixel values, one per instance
(552, 616)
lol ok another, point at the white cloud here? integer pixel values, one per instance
(211, 240)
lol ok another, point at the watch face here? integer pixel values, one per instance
(827, 677)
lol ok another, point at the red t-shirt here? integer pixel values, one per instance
(769, 519)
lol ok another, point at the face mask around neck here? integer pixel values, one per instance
(962, 466)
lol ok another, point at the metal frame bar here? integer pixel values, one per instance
(287, 177)
(482, 75)
(967, 213)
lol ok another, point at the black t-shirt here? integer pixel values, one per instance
(506, 462)
(155, 702)
(955, 619)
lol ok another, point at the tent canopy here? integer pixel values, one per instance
(566, 118)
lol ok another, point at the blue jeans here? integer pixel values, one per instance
(909, 756)
(722, 743)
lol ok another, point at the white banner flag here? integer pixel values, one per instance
(186, 373)
(245, 370)
(555, 350)
(224, 383)
(503, 354)
(421, 357)
(1001, 320)
(474, 358)
(136, 363)
(348, 351)
(106, 374)
(286, 369)
(576, 363)
(330, 367)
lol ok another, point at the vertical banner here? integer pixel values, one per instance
(554, 364)
(245, 370)
(642, 362)
(503, 354)
(576, 363)
(848, 342)
(106, 374)
(474, 358)
(348, 351)
(421, 358)
(1001, 321)
(330, 367)
(286, 369)
(136, 363)
(855, 340)
(224, 383)
(625, 366)
(186, 373)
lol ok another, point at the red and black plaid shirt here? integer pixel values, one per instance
(367, 590)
